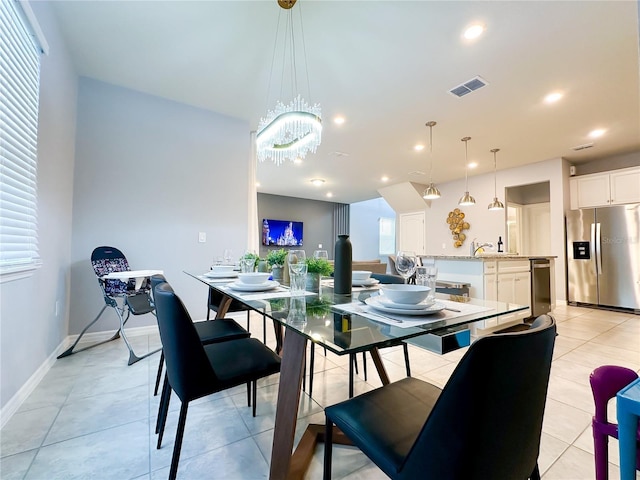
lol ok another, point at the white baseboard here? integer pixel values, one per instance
(30, 385)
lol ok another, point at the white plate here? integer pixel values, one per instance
(365, 283)
(375, 303)
(403, 306)
(248, 287)
(213, 274)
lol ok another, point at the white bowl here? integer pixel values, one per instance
(222, 268)
(408, 294)
(254, 278)
(360, 275)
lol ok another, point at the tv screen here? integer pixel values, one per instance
(285, 233)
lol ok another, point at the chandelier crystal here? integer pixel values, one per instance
(289, 131)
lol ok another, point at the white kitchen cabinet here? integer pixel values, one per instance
(625, 186)
(616, 187)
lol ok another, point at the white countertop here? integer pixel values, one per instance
(488, 256)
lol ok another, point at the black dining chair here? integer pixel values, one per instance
(195, 370)
(212, 331)
(484, 424)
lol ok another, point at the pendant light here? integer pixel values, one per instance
(496, 204)
(431, 191)
(466, 199)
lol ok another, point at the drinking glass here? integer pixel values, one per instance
(228, 257)
(297, 278)
(247, 264)
(428, 276)
(321, 254)
(406, 263)
(296, 257)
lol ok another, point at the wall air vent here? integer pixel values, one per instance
(338, 154)
(582, 147)
(469, 86)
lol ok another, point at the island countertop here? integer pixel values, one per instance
(487, 256)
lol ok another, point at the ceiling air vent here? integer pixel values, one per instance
(582, 147)
(467, 87)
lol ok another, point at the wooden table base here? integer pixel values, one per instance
(283, 464)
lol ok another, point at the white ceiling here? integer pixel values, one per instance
(387, 67)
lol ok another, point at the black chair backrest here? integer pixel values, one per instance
(189, 370)
(487, 422)
(387, 278)
(156, 280)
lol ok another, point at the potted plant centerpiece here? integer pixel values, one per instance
(317, 268)
(276, 259)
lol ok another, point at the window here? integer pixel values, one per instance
(387, 229)
(19, 88)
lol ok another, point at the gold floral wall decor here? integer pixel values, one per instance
(457, 226)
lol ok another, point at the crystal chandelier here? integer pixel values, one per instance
(431, 192)
(496, 204)
(289, 131)
(466, 199)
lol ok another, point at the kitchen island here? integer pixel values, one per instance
(493, 276)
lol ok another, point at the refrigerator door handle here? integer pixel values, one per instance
(592, 246)
(598, 250)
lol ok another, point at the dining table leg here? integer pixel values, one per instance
(223, 308)
(291, 370)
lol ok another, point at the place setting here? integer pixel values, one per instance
(362, 278)
(221, 272)
(253, 282)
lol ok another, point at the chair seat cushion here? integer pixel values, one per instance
(394, 416)
(213, 331)
(240, 361)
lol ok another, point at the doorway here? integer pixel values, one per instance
(411, 236)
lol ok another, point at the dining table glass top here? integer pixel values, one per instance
(357, 322)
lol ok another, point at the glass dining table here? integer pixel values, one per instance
(343, 324)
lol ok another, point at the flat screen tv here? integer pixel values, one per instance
(285, 233)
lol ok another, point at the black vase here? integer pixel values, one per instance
(342, 266)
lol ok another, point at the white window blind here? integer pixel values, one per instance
(19, 88)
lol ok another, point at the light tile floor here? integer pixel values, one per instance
(93, 416)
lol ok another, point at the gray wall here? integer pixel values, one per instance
(150, 174)
(316, 215)
(29, 329)
(614, 162)
(364, 228)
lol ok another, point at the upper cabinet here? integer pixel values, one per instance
(603, 189)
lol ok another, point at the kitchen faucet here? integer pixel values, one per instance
(479, 246)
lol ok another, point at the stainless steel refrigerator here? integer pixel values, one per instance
(603, 256)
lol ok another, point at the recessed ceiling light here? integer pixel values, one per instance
(418, 148)
(472, 164)
(329, 194)
(597, 133)
(317, 182)
(553, 97)
(297, 161)
(339, 120)
(385, 178)
(257, 184)
(474, 31)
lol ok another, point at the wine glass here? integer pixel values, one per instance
(228, 256)
(321, 254)
(406, 263)
(296, 260)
